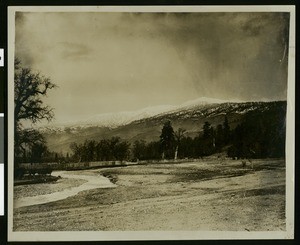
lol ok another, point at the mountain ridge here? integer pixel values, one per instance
(149, 129)
(114, 120)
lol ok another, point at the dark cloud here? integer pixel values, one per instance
(121, 61)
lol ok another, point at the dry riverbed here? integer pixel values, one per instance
(201, 195)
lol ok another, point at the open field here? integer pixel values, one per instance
(203, 195)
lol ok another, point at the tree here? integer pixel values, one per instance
(29, 89)
(38, 152)
(207, 130)
(189, 147)
(208, 139)
(226, 131)
(76, 149)
(122, 150)
(178, 136)
(91, 150)
(28, 138)
(153, 150)
(139, 150)
(167, 140)
(260, 135)
(113, 144)
(219, 137)
(104, 151)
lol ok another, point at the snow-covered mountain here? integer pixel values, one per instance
(146, 124)
(114, 120)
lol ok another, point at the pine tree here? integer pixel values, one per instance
(226, 131)
(167, 140)
(207, 130)
(208, 139)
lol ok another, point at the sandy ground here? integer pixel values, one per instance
(203, 195)
(90, 181)
(31, 190)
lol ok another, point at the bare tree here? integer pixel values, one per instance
(178, 136)
(30, 88)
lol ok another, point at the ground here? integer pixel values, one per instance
(208, 194)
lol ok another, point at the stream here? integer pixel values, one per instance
(93, 182)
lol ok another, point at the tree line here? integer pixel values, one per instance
(170, 145)
(104, 150)
(260, 135)
(254, 137)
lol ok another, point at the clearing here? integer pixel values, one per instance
(207, 194)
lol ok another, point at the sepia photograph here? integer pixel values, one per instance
(151, 123)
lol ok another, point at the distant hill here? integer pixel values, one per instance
(147, 126)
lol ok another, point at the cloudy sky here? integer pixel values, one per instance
(110, 62)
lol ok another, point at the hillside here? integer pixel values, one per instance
(190, 117)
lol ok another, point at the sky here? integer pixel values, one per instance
(112, 62)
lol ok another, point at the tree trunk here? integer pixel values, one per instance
(176, 152)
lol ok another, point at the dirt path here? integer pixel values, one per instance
(189, 196)
(91, 182)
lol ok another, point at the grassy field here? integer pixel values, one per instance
(203, 195)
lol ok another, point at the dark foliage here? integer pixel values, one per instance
(104, 150)
(260, 135)
(167, 140)
(146, 151)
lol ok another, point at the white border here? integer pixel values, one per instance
(159, 235)
(290, 132)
